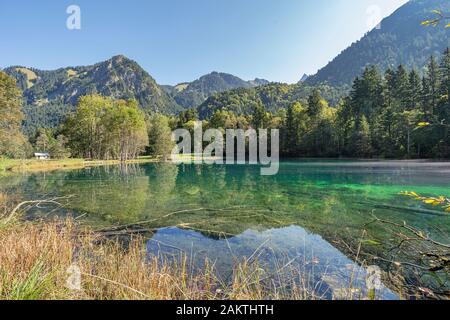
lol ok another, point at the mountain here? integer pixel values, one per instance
(400, 40)
(258, 82)
(195, 93)
(118, 77)
(304, 78)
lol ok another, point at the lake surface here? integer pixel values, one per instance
(311, 215)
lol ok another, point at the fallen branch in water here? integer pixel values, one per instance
(416, 232)
(140, 223)
(168, 215)
(37, 204)
(410, 209)
(422, 255)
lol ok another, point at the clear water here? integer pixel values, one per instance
(310, 214)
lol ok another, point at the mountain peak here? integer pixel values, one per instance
(194, 93)
(120, 58)
(402, 39)
(258, 82)
(304, 77)
(119, 78)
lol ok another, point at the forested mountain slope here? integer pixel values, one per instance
(193, 94)
(400, 40)
(118, 77)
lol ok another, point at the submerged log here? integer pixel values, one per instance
(411, 209)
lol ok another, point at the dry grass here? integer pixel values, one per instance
(36, 257)
(30, 76)
(35, 260)
(6, 203)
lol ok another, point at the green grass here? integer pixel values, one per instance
(5, 164)
(33, 287)
(21, 165)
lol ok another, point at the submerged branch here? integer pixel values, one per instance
(36, 203)
(416, 232)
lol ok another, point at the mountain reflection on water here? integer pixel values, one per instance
(289, 253)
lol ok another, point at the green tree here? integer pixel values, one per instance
(401, 89)
(444, 91)
(260, 117)
(414, 90)
(42, 141)
(431, 88)
(295, 128)
(125, 130)
(12, 142)
(103, 128)
(58, 148)
(361, 138)
(186, 116)
(315, 104)
(160, 136)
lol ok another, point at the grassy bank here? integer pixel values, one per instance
(38, 260)
(34, 165)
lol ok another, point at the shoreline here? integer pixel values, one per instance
(34, 165)
(14, 166)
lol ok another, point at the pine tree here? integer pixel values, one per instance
(425, 94)
(414, 90)
(389, 77)
(431, 97)
(444, 90)
(367, 93)
(401, 88)
(294, 128)
(260, 118)
(314, 104)
(361, 138)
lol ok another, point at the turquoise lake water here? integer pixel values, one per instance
(312, 214)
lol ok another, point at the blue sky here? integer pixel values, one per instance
(180, 40)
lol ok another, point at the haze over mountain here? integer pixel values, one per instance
(193, 94)
(400, 40)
